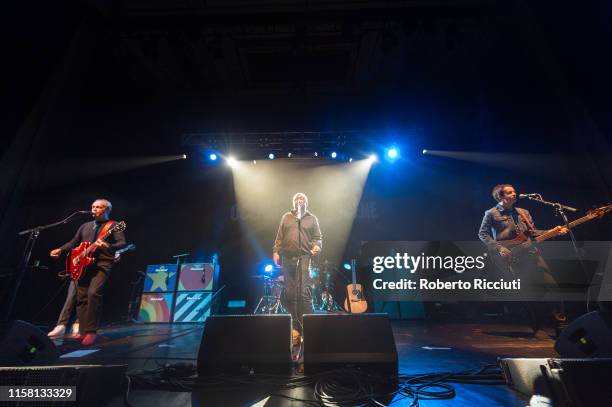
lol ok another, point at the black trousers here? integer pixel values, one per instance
(90, 289)
(71, 299)
(290, 264)
(534, 269)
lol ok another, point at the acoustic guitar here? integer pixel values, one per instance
(354, 302)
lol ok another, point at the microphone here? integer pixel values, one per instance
(300, 211)
(83, 211)
(525, 196)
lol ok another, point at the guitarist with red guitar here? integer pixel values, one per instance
(90, 262)
(504, 222)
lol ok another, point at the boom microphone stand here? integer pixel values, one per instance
(27, 253)
(560, 211)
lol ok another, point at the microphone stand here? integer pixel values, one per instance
(298, 287)
(559, 211)
(178, 258)
(133, 301)
(27, 253)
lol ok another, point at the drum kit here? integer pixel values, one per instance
(320, 284)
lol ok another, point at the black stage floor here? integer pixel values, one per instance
(423, 347)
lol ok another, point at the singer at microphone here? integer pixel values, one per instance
(100, 234)
(503, 223)
(297, 241)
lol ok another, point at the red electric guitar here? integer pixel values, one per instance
(82, 256)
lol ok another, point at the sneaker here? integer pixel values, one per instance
(75, 330)
(89, 339)
(59, 330)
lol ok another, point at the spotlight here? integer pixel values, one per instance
(334, 154)
(254, 161)
(393, 153)
(271, 156)
(351, 159)
(212, 157)
(424, 151)
(289, 155)
(347, 266)
(268, 268)
(316, 154)
(184, 156)
(231, 161)
(373, 158)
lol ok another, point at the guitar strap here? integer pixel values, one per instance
(104, 229)
(530, 225)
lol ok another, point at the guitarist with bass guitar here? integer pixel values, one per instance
(102, 238)
(505, 222)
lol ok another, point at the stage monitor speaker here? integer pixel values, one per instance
(245, 343)
(94, 385)
(565, 382)
(23, 344)
(588, 336)
(363, 340)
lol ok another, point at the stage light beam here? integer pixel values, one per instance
(393, 153)
(212, 157)
(271, 156)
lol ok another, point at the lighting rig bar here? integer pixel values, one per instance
(290, 144)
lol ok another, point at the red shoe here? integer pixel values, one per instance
(89, 339)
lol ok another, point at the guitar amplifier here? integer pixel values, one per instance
(198, 277)
(160, 278)
(192, 306)
(156, 307)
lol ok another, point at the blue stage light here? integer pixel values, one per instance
(271, 156)
(212, 157)
(347, 266)
(334, 154)
(268, 268)
(392, 153)
(424, 151)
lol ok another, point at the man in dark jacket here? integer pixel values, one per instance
(298, 240)
(505, 222)
(90, 287)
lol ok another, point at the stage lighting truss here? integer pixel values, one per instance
(330, 145)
